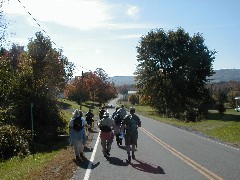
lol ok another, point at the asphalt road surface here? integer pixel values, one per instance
(163, 152)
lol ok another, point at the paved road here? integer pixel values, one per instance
(164, 152)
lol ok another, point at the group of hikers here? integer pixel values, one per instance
(120, 124)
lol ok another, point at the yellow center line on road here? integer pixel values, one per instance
(190, 162)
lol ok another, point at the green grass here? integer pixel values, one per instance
(20, 168)
(225, 128)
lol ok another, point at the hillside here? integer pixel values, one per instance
(220, 75)
(120, 80)
(226, 75)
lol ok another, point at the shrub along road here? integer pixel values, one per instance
(164, 152)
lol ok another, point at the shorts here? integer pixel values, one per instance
(131, 139)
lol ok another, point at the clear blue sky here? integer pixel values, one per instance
(104, 33)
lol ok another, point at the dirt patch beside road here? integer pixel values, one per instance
(62, 167)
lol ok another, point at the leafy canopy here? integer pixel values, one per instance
(172, 70)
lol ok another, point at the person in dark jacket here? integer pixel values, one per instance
(89, 117)
(131, 123)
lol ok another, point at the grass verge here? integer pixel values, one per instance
(19, 168)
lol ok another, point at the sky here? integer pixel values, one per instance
(105, 33)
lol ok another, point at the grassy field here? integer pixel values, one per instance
(226, 129)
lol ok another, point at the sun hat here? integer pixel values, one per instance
(76, 113)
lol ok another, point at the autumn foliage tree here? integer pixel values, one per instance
(91, 86)
(35, 76)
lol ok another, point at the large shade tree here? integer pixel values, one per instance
(172, 70)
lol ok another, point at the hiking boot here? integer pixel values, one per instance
(129, 159)
(78, 158)
(133, 156)
(82, 156)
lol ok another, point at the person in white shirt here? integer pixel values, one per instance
(77, 135)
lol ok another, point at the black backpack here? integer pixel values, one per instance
(117, 119)
(77, 124)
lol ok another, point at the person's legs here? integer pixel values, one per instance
(76, 148)
(134, 143)
(109, 144)
(119, 140)
(81, 148)
(103, 143)
(133, 150)
(127, 143)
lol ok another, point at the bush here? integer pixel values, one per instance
(13, 142)
(191, 115)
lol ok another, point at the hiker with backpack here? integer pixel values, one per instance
(89, 118)
(117, 124)
(106, 134)
(101, 112)
(131, 123)
(77, 134)
(122, 112)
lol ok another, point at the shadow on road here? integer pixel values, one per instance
(147, 167)
(116, 161)
(84, 164)
(88, 149)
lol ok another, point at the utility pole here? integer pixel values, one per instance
(81, 92)
(32, 121)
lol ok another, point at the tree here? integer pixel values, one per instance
(91, 86)
(48, 64)
(172, 70)
(77, 90)
(134, 99)
(34, 76)
(221, 99)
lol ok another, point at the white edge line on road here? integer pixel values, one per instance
(209, 139)
(222, 144)
(88, 171)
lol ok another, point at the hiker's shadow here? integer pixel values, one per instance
(84, 164)
(147, 167)
(123, 147)
(116, 161)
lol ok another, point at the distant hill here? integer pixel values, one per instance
(120, 80)
(225, 75)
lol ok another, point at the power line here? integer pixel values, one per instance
(37, 22)
(30, 14)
